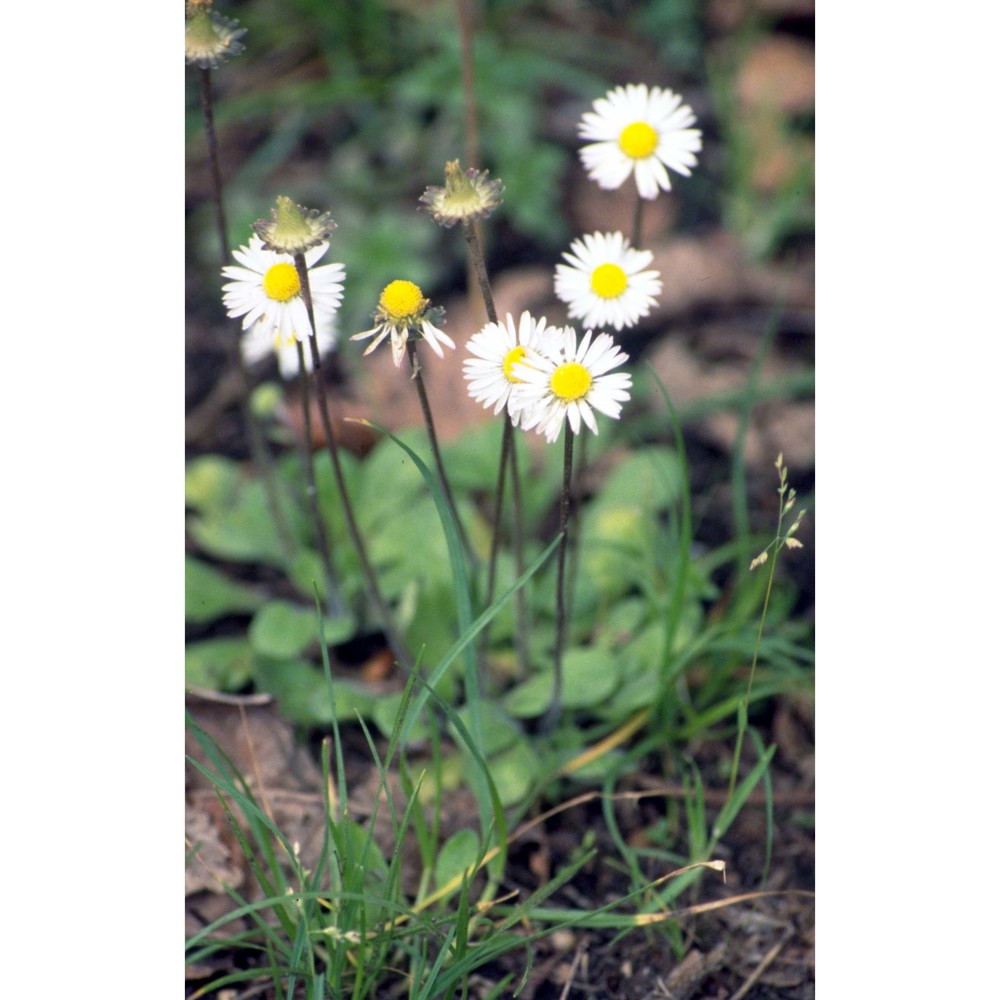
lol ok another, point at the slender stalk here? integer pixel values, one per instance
(741, 725)
(465, 32)
(425, 406)
(334, 599)
(479, 264)
(572, 571)
(784, 506)
(508, 455)
(522, 622)
(555, 708)
(213, 158)
(258, 446)
(491, 575)
(374, 593)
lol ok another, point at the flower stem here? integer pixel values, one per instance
(335, 601)
(425, 406)
(508, 454)
(479, 264)
(213, 157)
(523, 626)
(465, 30)
(491, 574)
(555, 708)
(258, 447)
(374, 593)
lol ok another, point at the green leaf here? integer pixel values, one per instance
(241, 530)
(590, 676)
(500, 731)
(385, 712)
(218, 664)
(472, 460)
(210, 594)
(648, 480)
(458, 853)
(303, 695)
(210, 481)
(282, 630)
(514, 772)
(614, 548)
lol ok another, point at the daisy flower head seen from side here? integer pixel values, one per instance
(257, 345)
(604, 282)
(402, 310)
(639, 130)
(267, 293)
(569, 381)
(497, 348)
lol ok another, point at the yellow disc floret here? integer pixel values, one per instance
(401, 300)
(608, 281)
(638, 140)
(570, 381)
(511, 358)
(281, 282)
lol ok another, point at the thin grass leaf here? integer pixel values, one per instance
(460, 577)
(742, 792)
(680, 576)
(420, 699)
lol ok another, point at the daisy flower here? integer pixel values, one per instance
(257, 345)
(641, 130)
(497, 348)
(402, 310)
(570, 381)
(604, 281)
(267, 293)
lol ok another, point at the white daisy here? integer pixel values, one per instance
(570, 382)
(256, 345)
(402, 310)
(266, 291)
(639, 129)
(497, 348)
(605, 284)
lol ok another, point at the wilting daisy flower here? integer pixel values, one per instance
(497, 348)
(292, 228)
(641, 130)
(210, 38)
(267, 293)
(570, 382)
(257, 345)
(402, 310)
(604, 282)
(467, 194)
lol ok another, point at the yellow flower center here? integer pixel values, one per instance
(570, 381)
(608, 281)
(511, 358)
(401, 299)
(638, 140)
(281, 282)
